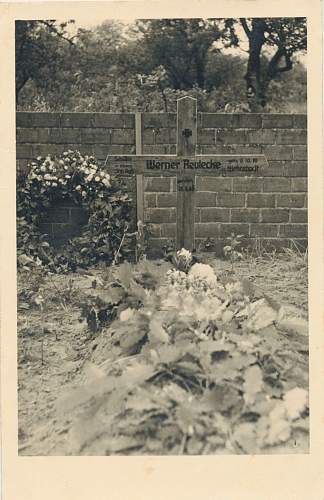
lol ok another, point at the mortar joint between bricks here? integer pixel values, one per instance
(290, 215)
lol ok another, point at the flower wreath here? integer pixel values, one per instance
(79, 178)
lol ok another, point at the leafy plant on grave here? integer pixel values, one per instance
(230, 250)
(124, 291)
(207, 245)
(142, 236)
(198, 369)
(79, 178)
(168, 249)
(182, 260)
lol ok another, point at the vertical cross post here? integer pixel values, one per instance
(139, 177)
(139, 187)
(186, 146)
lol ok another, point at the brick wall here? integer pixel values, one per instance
(63, 221)
(272, 208)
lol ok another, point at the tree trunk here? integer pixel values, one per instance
(255, 88)
(200, 72)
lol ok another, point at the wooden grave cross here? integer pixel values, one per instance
(185, 165)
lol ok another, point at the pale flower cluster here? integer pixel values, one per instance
(201, 278)
(191, 305)
(204, 272)
(60, 172)
(183, 259)
(184, 254)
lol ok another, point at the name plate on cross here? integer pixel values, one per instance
(185, 165)
(215, 165)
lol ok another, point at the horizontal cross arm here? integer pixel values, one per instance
(173, 165)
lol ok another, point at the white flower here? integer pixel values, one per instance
(106, 182)
(54, 184)
(68, 177)
(43, 168)
(295, 401)
(89, 178)
(84, 194)
(78, 188)
(205, 272)
(97, 179)
(47, 177)
(184, 253)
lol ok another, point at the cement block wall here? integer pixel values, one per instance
(271, 208)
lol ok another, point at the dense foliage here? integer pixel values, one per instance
(78, 178)
(147, 65)
(189, 363)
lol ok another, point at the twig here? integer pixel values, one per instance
(133, 356)
(245, 27)
(59, 292)
(183, 444)
(120, 245)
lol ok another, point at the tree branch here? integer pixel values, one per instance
(245, 27)
(53, 29)
(273, 68)
(289, 64)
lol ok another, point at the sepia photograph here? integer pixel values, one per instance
(162, 236)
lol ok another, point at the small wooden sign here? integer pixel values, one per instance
(185, 185)
(220, 165)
